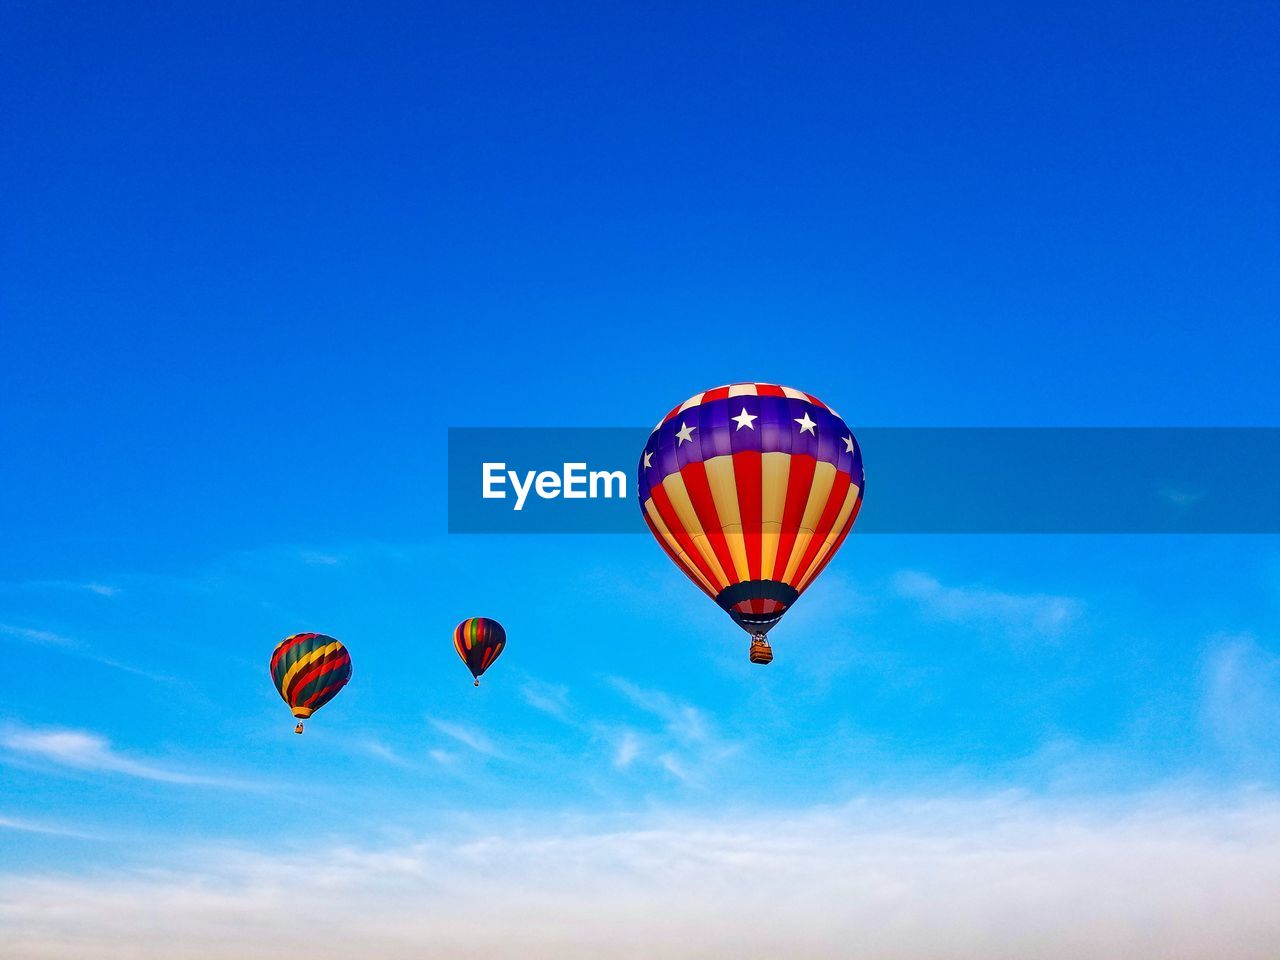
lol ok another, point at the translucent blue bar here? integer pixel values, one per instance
(924, 480)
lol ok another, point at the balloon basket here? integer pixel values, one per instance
(761, 652)
(298, 728)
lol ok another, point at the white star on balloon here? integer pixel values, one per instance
(848, 444)
(648, 459)
(684, 433)
(806, 425)
(745, 419)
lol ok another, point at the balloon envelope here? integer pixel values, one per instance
(479, 642)
(308, 670)
(751, 489)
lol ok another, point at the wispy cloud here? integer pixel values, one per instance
(685, 743)
(998, 876)
(473, 739)
(685, 722)
(101, 589)
(74, 647)
(43, 637)
(627, 749)
(376, 748)
(21, 825)
(1181, 498)
(86, 751)
(673, 765)
(1241, 700)
(546, 697)
(1023, 614)
(316, 558)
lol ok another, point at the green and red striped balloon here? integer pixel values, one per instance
(308, 670)
(479, 642)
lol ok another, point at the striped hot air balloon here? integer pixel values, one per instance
(479, 642)
(308, 670)
(751, 488)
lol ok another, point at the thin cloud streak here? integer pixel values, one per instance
(20, 825)
(315, 558)
(45, 638)
(546, 698)
(473, 739)
(89, 752)
(73, 647)
(376, 748)
(1035, 614)
(101, 589)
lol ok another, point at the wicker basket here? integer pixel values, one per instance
(761, 652)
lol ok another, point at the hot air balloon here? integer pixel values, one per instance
(751, 489)
(309, 669)
(479, 642)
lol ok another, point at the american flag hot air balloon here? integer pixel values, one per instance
(751, 489)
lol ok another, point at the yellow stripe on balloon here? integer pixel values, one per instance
(674, 487)
(824, 475)
(695, 400)
(670, 541)
(850, 498)
(775, 470)
(724, 494)
(308, 660)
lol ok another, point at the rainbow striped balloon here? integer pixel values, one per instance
(308, 670)
(751, 489)
(479, 642)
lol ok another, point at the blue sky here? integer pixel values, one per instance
(253, 264)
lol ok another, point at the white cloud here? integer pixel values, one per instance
(21, 825)
(101, 589)
(548, 698)
(684, 722)
(628, 748)
(1241, 700)
(672, 764)
(474, 739)
(1038, 614)
(70, 645)
(376, 748)
(684, 745)
(43, 637)
(83, 750)
(315, 558)
(999, 877)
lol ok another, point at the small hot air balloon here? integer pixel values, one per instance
(479, 642)
(309, 669)
(751, 489)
